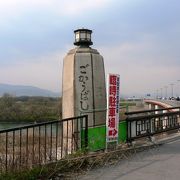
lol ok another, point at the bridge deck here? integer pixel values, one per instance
(163, 103)
(158, 163)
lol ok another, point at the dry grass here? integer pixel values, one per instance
(23, 151)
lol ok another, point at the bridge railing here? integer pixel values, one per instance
(147, 123)
(42, 143)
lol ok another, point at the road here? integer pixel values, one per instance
(161, 163)
(172, 102)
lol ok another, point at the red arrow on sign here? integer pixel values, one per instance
(112, 132)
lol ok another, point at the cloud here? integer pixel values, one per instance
(138, 39)
(146, 50)
(29, 28)
(44, 72)
(143, 65)
(139, 64)
(10, 8)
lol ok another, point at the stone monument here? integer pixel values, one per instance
(83, 86)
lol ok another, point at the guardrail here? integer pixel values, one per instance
(42, 143)
(147, 123)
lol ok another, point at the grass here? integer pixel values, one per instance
(33, 174)
(47, 171)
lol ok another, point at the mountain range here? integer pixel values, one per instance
(22, 90)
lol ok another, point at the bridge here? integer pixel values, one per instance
(162, 116)
(161, 162)
(43, 143)
(157, 104)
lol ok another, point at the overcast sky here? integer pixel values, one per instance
(139, 39)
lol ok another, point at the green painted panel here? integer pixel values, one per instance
(97, 136)
(122, 131)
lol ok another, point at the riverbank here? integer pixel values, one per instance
(29, 109)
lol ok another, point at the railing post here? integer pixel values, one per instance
(127, 108)
(128, 129)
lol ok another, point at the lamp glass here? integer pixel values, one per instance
(83, 35)
(88, 36)
(77, 36)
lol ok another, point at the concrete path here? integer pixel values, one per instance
(161, 163)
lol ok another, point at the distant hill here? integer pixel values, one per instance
(21, 90)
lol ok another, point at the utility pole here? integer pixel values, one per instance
(178, 93)
(161, 92)
(157, 93)
(165, 91)
(172, 89)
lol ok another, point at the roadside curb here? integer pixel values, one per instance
(168, 139)
(155, 141)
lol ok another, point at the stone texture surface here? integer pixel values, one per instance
(67, 86)
(84, 90)
(83, 85)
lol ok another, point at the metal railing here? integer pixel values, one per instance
(42, 143)
(147, 123)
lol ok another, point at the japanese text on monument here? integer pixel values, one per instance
(84, 93)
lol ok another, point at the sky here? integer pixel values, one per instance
(139, 39)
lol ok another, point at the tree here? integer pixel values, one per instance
(7, 100)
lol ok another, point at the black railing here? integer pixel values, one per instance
(42, 143)
(147, 123)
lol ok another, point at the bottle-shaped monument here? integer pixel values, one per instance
(83, 87)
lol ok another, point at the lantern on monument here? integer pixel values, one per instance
(83, 37)
(83, 86)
